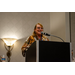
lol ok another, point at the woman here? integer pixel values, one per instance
(36, 36)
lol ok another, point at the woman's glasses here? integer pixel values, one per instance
(39, 28)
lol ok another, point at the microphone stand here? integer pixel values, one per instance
(51, 35)
(57, 37)
(41, 37)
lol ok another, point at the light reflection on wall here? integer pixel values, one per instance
(21, 24)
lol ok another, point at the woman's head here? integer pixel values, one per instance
(38, 29)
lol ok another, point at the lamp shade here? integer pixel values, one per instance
(9, 41)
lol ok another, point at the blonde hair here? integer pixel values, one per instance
(34, 34)
(38, 24)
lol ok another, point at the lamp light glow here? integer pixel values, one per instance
(9, 41)
(9, 44)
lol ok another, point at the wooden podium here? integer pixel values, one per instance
(49, 51)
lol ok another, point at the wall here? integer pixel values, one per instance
(20, 25)
(72, 18)
(59, 26)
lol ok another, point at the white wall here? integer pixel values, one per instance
(59, 26)
(67, 18)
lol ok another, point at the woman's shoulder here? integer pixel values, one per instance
(30, 37)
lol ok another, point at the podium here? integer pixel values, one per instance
(49, 51)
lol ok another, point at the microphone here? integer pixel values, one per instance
(45, 34)
(51, 35)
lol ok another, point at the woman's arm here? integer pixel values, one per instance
(25, 46)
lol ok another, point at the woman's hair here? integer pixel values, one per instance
(34, 33)
(38, 24)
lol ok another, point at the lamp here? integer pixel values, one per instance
(9, 44)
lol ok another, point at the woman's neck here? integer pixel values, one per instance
(39, 36)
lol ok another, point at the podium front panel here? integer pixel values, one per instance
(54, 51)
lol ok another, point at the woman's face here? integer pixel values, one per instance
(38, 30)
